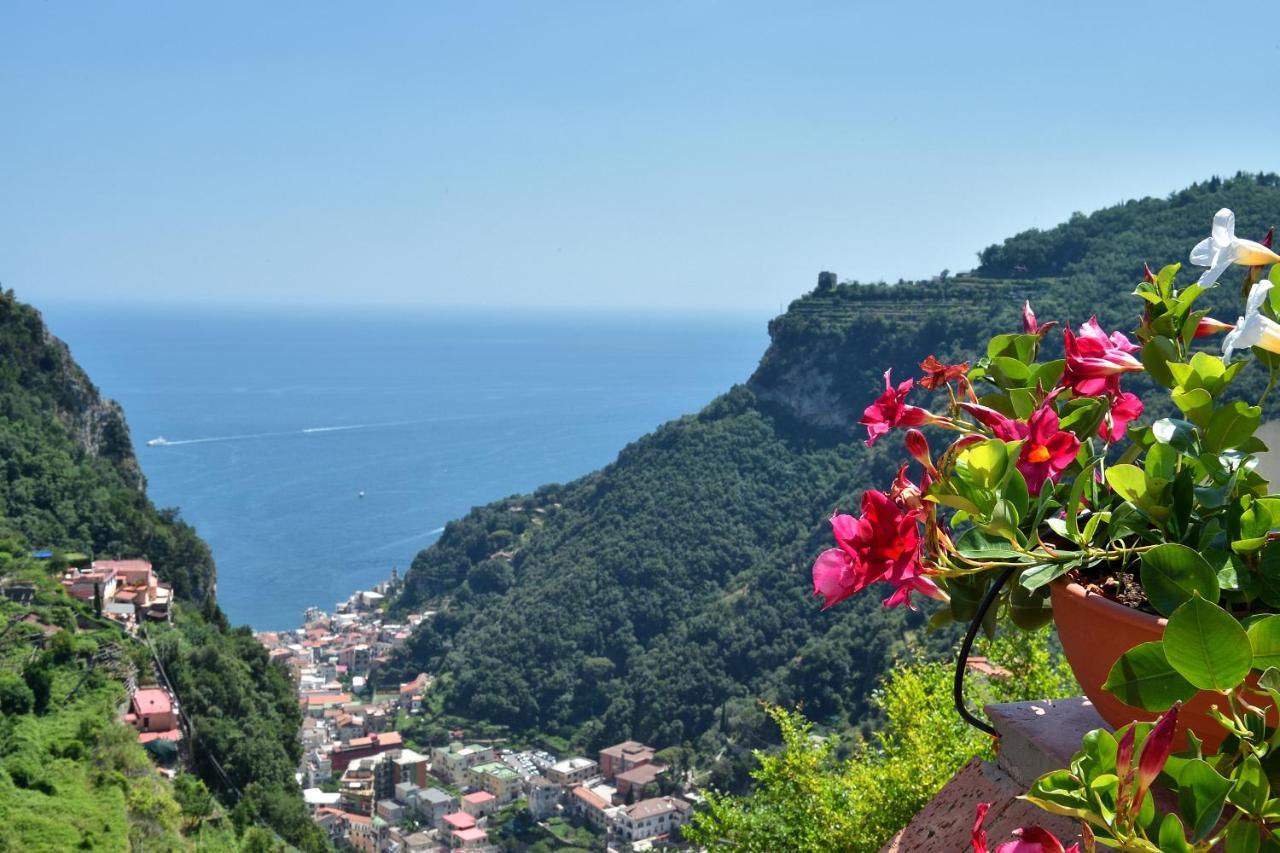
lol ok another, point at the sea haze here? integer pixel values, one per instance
(278, 422)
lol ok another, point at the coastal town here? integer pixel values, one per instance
(372, 789)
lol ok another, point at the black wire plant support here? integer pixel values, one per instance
(962, 659)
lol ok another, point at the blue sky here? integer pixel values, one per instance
(694, 156)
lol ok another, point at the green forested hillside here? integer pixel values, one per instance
(71, 483)
(662, 596)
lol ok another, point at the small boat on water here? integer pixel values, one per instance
(158, 441)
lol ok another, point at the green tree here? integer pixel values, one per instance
(39, 677)
(15, 696)
(193, 797)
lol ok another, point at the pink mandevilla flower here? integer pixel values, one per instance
(1047, 451)
(1031, 839)
(883, 544)
(891, 410)
(1095, 361)
(1125, 407)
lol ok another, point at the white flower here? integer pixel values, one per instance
(1223, 248)
(1253, 329)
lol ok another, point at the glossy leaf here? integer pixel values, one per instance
(1171, 574)
(1144, 678)
(1202, 792)
(1251, 790)
(1207, 646)
(1264, 640)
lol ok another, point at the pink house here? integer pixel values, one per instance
(473, 837)
(479, 804)
(151, 711)
(457, 822)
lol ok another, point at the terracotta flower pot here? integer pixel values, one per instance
(1095, 631)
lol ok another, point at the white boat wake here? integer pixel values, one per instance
(164, 442)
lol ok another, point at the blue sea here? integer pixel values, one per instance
(277, 423)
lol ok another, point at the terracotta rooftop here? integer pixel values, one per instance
(590, 798)
(478, 798)
(460, 820)
(151, 700)
(641, 774)
(656, 806)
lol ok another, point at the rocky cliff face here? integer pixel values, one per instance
(96, 423)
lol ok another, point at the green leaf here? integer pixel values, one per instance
(1207, 646)
(958, 502)
(1264, 639)
(1161, 462)
(1156, 355)
(1196, 404)
(1048, 374)
(1029, 609)
(1178, 434)
(1173, 839)
(984, 464)
(1143, 678)
(1171, 574)
(1044, 573)
(1060, 793)
(1252, 789)
(1129, 482)
(1242, 838)
(1232, 425)
(1202, 791)
(1010, 372)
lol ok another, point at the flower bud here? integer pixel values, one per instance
(918, 447)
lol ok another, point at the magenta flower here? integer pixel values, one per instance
(1124, 408)
(1031, 839)
(1047, 451)
(1029, 324)
(883, 544)
(1003, 427)
(1095, 361)
(890, 410)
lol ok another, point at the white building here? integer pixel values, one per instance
(647, 818)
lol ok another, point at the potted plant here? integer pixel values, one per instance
(1150, 545)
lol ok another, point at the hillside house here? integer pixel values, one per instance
(496, 779)
(623, 756)
(153, 712)
(572, 771)
(479, 804)
(650, 818)
(363, 747)
(542, 796)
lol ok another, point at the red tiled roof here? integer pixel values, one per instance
(385, 740)
(478, 797)
(590, 798)
(151, 700)
(472, 834)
